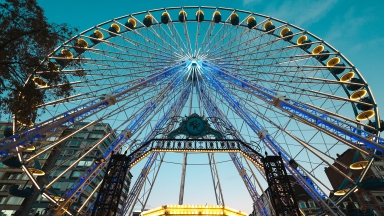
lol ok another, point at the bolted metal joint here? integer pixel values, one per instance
(262, 134)
(127, 134)
(279, 98)
(110, 98)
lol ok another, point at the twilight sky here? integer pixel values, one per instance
(352, 27)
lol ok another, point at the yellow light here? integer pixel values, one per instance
(192, 210)
(365, 115)
(333, 61)
(36, 172)
(284, 31)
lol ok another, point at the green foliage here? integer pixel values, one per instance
(26, 39)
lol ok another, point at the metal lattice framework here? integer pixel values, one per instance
(273, 84)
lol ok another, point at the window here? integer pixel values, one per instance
(85, 163)
(78, 126)
(53, 138)
(108, 141)
(43, 156)
(96, 136)
(15, 200)
(75, 174)
(102, 147)
(81, 135)
(43, 199)
(356, 205)
(89, 189)
(70, 152)
(311, 204)
(24, 177)
(98, 128)
(379, 196)
(14, 176)
(55, 174)
(4, 188)
(2, 199)
(57, 185)
(85, 143)
(302, 204)
(366, 197)
(73, 143)
(70, 184)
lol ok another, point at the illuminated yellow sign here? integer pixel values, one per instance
(193, 210)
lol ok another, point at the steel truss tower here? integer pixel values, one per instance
(108, 198)
(280, 189)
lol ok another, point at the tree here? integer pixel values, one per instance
(26, 39)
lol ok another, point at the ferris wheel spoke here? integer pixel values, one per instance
(244, 43)
(315, 151)
(137, 46)
(219, 32)
(178, 49)
(275, 60)
(253, 101)
(299, 89)
(208, 32)
(216, 47)
(146, 39)
(129, 54)
(87, 96)
(175, 33)
(105, 116)
(172, 37)
(81, 97)
(152, 29)
(255, 49)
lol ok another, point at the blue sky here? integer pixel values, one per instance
(352, 27)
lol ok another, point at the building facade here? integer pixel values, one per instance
(370, 195)
(53, 164)
(306, 204)
(8, 177)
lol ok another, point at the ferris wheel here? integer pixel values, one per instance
(271, 84)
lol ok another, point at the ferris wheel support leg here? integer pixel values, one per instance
(297, 172)
(216, 180)
(152, 182)
(183, 174)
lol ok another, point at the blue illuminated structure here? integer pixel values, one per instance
(272, 84)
